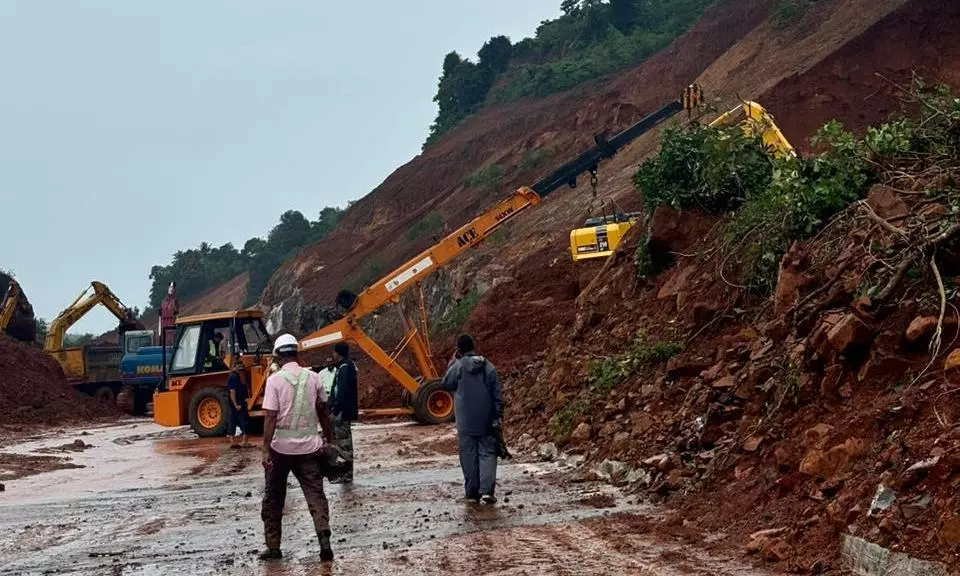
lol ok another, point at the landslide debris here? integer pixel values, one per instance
(34, 391)
(792, 371)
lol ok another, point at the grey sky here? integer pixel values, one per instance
(130, 129)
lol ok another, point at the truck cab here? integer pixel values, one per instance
(195, 392)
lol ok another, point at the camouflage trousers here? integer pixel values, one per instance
(309, 470)
(343, 438)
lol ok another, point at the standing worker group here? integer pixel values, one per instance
(344, 406)
(294, 403)
(478, 405)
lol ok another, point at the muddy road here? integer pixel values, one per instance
(137, 499)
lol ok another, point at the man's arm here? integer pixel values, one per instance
(496, 393)
(452, 378)
(233, 399)
(269, 428)
(323, 417)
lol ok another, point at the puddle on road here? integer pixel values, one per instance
(158, 501)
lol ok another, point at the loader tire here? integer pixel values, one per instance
(432, 404)
(127, 400)
(105, 394)
(209, 412)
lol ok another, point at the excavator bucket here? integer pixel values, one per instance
(16, 314)
(599, 237)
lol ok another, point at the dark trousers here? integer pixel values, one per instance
(478, 460)
(238, 419)
(343, 438)
(309, 471)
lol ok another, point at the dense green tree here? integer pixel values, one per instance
(624, 14)
(590, 38)
(199, 269)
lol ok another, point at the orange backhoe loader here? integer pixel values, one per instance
(423, 395)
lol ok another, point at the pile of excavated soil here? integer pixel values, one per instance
(33, 390)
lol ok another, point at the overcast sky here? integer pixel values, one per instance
(130, 129)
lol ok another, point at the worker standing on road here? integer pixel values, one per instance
(327, 375)
(479, 406)
(237, 389)
(294, 403)
(345, 409)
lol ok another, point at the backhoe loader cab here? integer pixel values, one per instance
(195, 392)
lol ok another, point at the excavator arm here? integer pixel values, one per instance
(389, 288)
(754, 119)
(10, 300)
(97, 293)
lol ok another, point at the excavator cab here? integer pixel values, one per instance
(600, 235)
(196, 389)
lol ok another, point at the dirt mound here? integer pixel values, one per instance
(33, 390)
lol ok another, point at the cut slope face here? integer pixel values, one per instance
(858, 83)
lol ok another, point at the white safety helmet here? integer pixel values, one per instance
(285, 344)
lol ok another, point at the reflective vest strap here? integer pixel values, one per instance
(303, 418)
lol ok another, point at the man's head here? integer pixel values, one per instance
(285, 348)
(218, 338)
(237, 364)
(172, 288)
(464, 343)
(329, 363)
(342, 349)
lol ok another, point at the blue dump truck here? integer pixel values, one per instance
(141, 372)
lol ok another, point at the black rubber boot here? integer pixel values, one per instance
(326, 552)
(271, 554)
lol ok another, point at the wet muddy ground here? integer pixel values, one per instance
(138, 499)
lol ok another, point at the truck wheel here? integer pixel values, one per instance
(208, 412)
(105, 395)
(127, 400)
(433, 404)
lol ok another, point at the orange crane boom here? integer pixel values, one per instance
(430, 404)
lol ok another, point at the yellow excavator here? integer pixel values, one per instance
(94, 369)
(16, 314)
(600, 236)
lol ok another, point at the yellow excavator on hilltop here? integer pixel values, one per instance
(600, 236)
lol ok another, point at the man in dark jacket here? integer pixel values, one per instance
(479, 406)
(344, 408)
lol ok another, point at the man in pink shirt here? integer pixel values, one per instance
(294, 402)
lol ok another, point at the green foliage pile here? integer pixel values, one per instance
(486, 178)
(590, 39)
(770, 203)
(713, 170)
(199, 269)
(607, 373)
